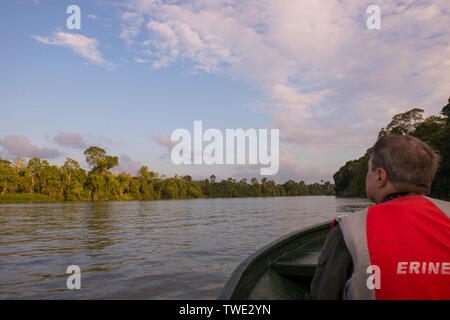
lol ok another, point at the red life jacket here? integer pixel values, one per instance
(408, 239)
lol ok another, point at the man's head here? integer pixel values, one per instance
(400, 164)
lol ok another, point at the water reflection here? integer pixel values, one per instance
(178, 249)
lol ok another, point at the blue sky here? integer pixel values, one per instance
(138, 69)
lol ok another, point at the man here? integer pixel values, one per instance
(398, 248)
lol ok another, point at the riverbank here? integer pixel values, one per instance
(42, 198)
(25, 198)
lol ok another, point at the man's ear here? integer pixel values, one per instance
(381, 176)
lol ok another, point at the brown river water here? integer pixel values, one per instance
(172, 249)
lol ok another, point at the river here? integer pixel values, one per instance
(172, 249)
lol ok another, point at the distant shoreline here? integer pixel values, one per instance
(24, 198)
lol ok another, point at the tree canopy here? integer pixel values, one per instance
(98, 160)
(71, 182)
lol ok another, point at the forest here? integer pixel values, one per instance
(38, 180)
(434, 130)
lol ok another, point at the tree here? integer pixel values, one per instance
(404, 123)
(19, 163)
(350, 180)
(35, 167)
(143, 173)
(52, 178)
(98, 160)
(7, 177)
(73, 179)
(446, 111)
(170, 189)
(70, 165)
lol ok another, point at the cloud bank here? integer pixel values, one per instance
(71, 140)
(16, 146)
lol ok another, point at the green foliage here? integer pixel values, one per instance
(37, 180)
(404, 123)
(350, 180)
(25, 197)
(434, 130)
(98, 159)
(446, 111)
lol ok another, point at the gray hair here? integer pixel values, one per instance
(406, 159)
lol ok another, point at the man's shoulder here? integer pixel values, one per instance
(420, 201)
(353, 215)
(440, 201)
(442, 205)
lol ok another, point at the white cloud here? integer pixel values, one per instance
(131, 24)
(81, 45)
(288, 99)
(140, 60)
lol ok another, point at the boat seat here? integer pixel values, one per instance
(300, 265)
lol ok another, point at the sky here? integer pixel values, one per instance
(139, 69)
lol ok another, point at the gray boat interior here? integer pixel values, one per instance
(282, 270)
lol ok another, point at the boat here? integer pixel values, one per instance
(281, 270)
